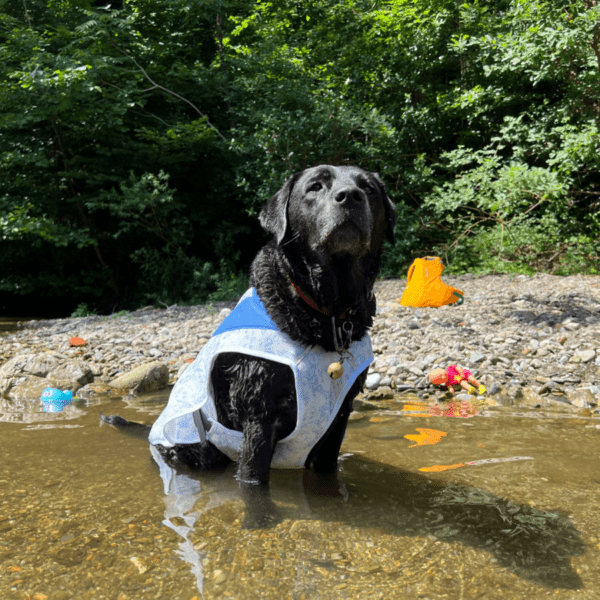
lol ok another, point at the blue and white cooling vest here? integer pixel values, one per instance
(248, 329)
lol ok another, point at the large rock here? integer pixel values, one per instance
(145, 378)
(71, 375)
(531, 398)
(582, 398)
(24, 375)
(32, 364)
(372, 381)
(587, 355)
(42, 364)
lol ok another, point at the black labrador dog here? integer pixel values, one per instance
(315, 280)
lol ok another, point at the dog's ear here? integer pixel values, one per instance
(389, 210)
(273, 216)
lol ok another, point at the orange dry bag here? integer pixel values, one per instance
(424, 286)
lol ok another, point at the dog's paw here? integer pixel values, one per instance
(264, 517)
(261, 511)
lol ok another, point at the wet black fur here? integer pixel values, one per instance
(257, 396)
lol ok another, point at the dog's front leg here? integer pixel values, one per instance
(256, 453)
(254, 464)
(324, 456)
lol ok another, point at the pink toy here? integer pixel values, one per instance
(454, 375)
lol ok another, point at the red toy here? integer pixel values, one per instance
(454, 375)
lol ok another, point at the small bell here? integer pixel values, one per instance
(335, 370)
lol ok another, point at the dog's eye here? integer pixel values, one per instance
(315, 187)
(365, 187)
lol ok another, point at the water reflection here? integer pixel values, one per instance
(181, 493)
(536, 545)
(25, 410)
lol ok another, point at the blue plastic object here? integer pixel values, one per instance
(54, 400)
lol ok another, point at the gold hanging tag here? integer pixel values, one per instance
(335, 370)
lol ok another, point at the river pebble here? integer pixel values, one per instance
(519, 335)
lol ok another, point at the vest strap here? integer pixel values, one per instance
(202, 425)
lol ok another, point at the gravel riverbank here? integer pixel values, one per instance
(532, 341)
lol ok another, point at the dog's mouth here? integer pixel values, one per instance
(347, 237)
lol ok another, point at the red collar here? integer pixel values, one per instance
(307, 299)
(312, 303)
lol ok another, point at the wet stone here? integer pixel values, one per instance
(372, 381)
(382, 393)
(98, 390)
(362, 404)
(28, 388)
(582, 398)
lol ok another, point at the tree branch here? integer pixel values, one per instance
(220, 40)
(27, 14)
(170, 92)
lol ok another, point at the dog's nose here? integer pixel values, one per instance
(348, 195)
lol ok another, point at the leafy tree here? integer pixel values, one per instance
(80, 114)
(139, 139)
(527, 197)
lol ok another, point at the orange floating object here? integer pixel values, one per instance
(77, 341)
(484, 461)
(426, 436)
(425, 288)
(442, 467)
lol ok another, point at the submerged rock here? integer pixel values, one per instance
(28, 388)
(92, 391)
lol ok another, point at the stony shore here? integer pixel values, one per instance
(532, 341)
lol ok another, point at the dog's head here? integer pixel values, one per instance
(339, 210)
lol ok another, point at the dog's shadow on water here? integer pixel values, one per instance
(536, 545)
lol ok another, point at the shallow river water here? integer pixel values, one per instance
(87, 512)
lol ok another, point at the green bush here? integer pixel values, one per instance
(82, 310)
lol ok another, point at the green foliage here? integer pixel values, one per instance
(79, 116)
(82, 310)
(230, 286)
(529, 192)
(147, 207)
(138, 141)
(524, 248)
(186, 280)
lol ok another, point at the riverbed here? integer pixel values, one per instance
(87, 512)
